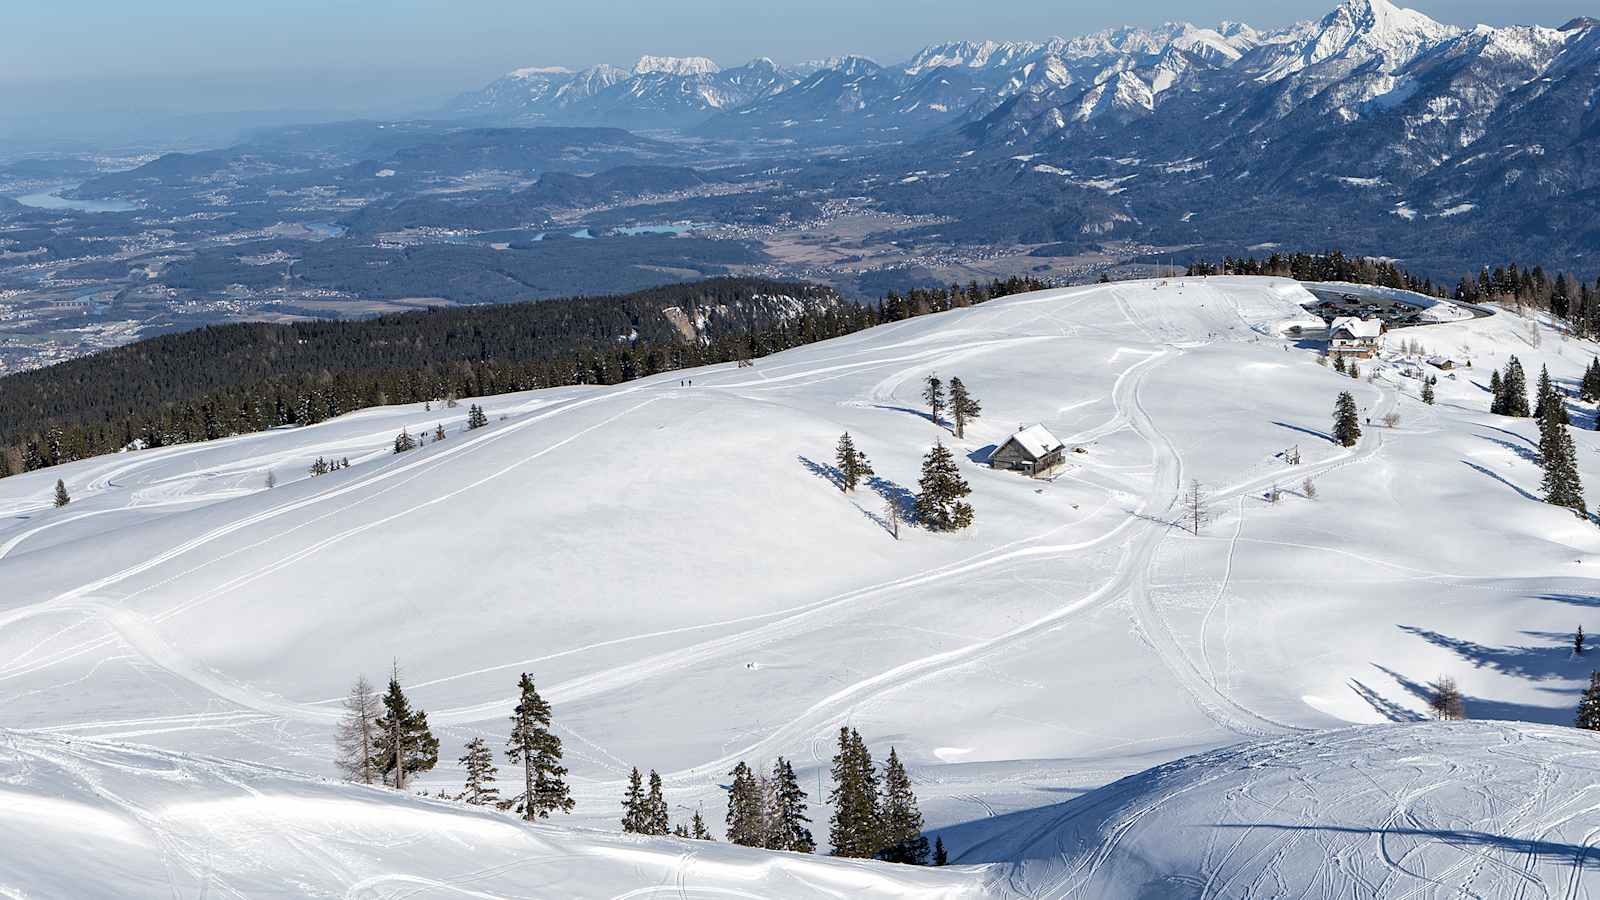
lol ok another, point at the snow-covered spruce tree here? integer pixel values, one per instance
(62, 498)
(1427, 392)
(933, 395)
(786, 820)
(633, 805)
(1338, 364)
(403, 442)
(538, 750)
(1542, 392)
(1346, 421)
(1562, 485)
(1515, 385)
(963, 408)
(656, 818)
(901, 834)
(1447, 703)
(320, 467)
(405, 744)
(856, 828)
(355, 737)
(1589, 705)
(939, 503)
(852, 463)
(698, 829)
(479, 765)
(940, 857)
(746, 819)
(1355, 370)
(476, 417)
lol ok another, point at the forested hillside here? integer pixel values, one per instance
(235, 379)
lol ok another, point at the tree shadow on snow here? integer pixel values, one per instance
(1497, 477)
(1577, 855)
(1303, 430)
(902, 498)
(827, 473)
(1499, 710)
(925, 416)
(1552, 659)
(1523, 452)
(1385, 707)
(1588, 600)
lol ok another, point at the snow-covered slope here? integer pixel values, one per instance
(674, 565)
(1436, 810)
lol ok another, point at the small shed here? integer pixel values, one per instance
(1032, 450)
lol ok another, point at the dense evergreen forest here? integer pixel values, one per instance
(234, 379)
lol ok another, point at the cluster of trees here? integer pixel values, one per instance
(389, 745)
(1565, 296)
(1509, 391)
(1558, 455)
(768, 811)
(235, 379)
(875, 818)
(961, 405)
(322, 467)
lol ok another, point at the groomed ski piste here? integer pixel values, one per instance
(672, 562)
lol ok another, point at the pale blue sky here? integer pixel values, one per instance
(93, 56)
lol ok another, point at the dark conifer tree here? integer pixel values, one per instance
(476, 418)
(634, 816)
(403, 442)
(746, 817)
(963, 408)
(1589, 706)
(933, 395)
(1577, 642)
(856, 827)
(479, 765)
(698, 829)
(656, 817)
(1515, 385)
(1497, 394)
(1557, 454)
(940, 857)
(901, 834)
(787, 819)
(62, 498)
(939, 504)
(1543, 392)
(405, 745)
(1346, 421)
(538, 750)
(1338, 365)
(852, 463)
(1427, 392)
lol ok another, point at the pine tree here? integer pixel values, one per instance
(403, 442)
(852, 463)
(1346, 421)
(698, 829)
(1447, 703)
(940, 857)
(62, 499)
(320, 467)
(1589, 706)
(1497, 394)
(634, 816)
(746, 818)
(405, 745)
(786, 820)
(1557, 454)
(479, 764)
(963, 408)
(656, 818)
(1577, 642)
(1515, 386)
(1355, 370)
(1338, 364)
(1543, 392)
(939, 504)
(355, 737)
(901, 834)
(856, 825)
(476, 418)
(933, 395)
(538, 751)
(1427, 392)
(680, 830)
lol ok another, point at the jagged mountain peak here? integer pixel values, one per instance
(675, 65)
(1356, 32)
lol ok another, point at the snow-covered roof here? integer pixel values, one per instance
(1357, 328)
(1036, 440)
